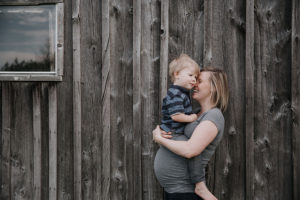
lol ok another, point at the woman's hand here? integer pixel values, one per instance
(159, 134)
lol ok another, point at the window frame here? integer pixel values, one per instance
(59, 45)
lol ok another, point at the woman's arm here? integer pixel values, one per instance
(202, 136)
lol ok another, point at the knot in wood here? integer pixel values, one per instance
(265, 72)
(262, 143)
(232, 131)
(116, 10)
(119, 120)
(118, 177)
(268, 167)
(76, 19)
(269, 14)
(130, 11)
(258, 179)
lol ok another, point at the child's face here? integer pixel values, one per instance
(186, 78)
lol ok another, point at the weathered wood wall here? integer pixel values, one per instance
(89, 136)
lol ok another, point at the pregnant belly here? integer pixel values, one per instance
(171, 171)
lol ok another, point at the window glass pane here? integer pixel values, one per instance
(27, 38)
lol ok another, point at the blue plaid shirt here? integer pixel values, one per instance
(176, 101)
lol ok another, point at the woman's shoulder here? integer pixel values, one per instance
(215, 112)
(214, 115)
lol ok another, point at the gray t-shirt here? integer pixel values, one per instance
(172, 171)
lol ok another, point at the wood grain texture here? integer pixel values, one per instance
(137, 99)
(186, 29)
(115, 75)
(149, 91)
(91, 120)
(21, 149)
(6, 130)
(249, 100)
(60, 39)
(121, 99)
(52, 142)
(44, 101)
(164, 52)
(28, 2)
(76, 19)
(105, 102)
(295, 97)
(272, 150)
(37, 143)
(224, 47)
(65, 165)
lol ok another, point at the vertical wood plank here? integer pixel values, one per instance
(91, 122)
(105, 102)
(149, 88)
(273, 138)
(137, 126)
(164, 51)
(224, 47)
(44, 103)
(76, 15)
(5, 140)
(65, 181)
(295, 85)
(37, 145)
(60, 38)
(186, 29)
(21, 141)
(52, 142)
(121, 99)
(250, 106)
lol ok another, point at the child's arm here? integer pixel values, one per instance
(181, 117)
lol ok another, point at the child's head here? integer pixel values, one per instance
(182, 69)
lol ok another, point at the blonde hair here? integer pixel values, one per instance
(219, 85)
(180, 63)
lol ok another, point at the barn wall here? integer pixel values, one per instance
(89, 136)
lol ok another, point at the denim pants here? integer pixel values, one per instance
(181, 196)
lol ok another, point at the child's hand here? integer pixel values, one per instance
(166, 135)
(194, 117)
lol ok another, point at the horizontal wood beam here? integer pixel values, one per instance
(27, 2)
(30, 78)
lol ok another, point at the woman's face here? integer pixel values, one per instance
(202, 88)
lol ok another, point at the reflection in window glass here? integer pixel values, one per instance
(27, 38)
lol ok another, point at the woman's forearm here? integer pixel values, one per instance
(203, 135)
(181, 148)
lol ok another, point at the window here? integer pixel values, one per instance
(31, 45)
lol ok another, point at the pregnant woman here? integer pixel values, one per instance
(179, 155)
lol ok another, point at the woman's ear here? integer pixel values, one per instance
(176, 74)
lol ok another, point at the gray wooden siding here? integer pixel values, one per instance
(89, 136)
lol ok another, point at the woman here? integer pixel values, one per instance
(197, 145)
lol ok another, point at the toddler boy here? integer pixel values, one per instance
(177, 108)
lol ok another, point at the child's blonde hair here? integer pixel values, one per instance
(180, 63)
